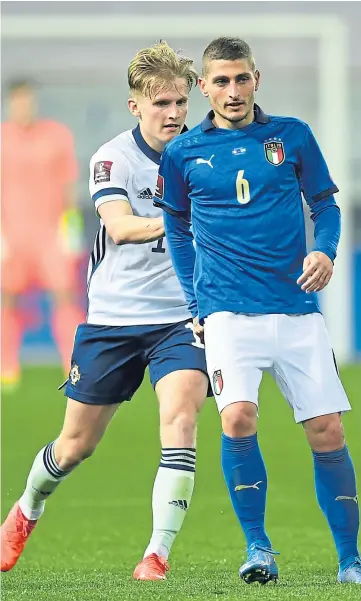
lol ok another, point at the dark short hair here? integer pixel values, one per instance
(227, 49)
(19, 84)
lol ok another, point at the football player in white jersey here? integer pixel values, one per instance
(137, 318)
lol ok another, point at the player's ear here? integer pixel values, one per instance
(203, 87)
(133, 107)
(257, 77)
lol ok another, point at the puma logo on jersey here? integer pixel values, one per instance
(200, 161)
(344, 498)
(242, 486)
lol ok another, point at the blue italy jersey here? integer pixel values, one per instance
(241, 190)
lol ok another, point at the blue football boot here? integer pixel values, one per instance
(260, 565)
(352, 573)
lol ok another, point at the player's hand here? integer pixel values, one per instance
(198, 329)
(317, 272)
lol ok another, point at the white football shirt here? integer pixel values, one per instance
(130, 284)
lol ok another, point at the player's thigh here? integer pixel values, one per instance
(106, 365)
(57, 271)
(237, 351)
(17, 272)
(305, 368)
(178, 372)
(181, 392)
(177, 364)
(84, 426)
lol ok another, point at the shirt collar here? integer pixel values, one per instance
(149, 152)
(259, 117)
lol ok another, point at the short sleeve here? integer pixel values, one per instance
(109, 176)
(315, 179)
(171, 193)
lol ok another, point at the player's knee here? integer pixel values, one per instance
(325, 433)
(182, 422)
(70, 453)
(239, 419)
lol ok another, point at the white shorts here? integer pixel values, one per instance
(295, 349)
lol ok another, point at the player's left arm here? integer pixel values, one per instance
(172, 196)
(318, 190)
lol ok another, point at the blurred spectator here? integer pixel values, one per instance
(39, 215)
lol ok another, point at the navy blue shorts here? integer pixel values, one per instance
(108, 362)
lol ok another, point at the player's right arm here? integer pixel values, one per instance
(125, 228)
(108, 185)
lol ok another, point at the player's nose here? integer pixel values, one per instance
(174, 111)
(233, 91)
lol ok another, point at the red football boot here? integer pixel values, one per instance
(152, 567)
(15, 531)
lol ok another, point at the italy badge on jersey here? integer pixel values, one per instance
(274, 151)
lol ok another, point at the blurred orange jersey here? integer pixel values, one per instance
(36, 163)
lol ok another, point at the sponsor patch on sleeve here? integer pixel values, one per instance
(102, 171)
(159, 189)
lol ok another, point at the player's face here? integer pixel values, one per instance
(22, 105)
(230, 87)
(162, 117)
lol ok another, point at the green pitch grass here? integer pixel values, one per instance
(97, 525)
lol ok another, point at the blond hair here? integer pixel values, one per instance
(154, 69)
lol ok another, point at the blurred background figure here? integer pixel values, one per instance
(40, 225)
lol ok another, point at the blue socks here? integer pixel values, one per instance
(245, 474)
(336, 494)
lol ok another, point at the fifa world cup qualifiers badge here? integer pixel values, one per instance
(74, 374)
(102, 171)
(217, 382)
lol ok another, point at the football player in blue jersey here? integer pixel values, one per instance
(239, 177)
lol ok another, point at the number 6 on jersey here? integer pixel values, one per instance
(242, 186)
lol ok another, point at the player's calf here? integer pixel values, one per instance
(335, 483)
(44, 477)
(70, 453)
(180, 394)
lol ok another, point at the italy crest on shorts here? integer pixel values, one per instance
(274, 151)
(217, 382)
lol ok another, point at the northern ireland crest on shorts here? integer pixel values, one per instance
(74, 374)
(274, 151)
(217, 382)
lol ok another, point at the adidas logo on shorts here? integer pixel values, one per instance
(146, 194)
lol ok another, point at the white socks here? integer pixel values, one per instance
(45, 475)
(172, 493)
